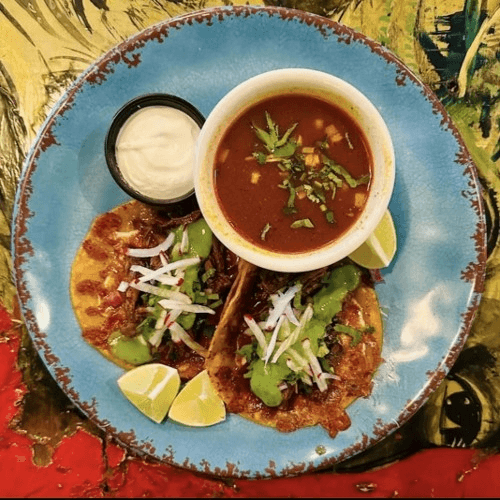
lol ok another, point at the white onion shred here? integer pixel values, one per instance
(155, 339)
(316, 368)
(152, 252)
(149, 274)
(255, 329)
(153, 274)
(172, 316)
(162, 292)
(291, 315)
(274, 337)
(304, 319)
(180, 335)
(168, 279)
(160, 322)
(126, 234)
(194, 308)
(301, 362)
(280, 302)
(163, 258)
(292, 365)
(122, 287)
(185, 241)
(295, 368)
(140, 269)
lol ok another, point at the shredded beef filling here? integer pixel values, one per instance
(124, 311)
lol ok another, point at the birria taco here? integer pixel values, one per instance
(150, 285)
(296, 350)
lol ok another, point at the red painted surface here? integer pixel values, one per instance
(82, 466)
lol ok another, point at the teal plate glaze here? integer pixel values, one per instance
(429, 294)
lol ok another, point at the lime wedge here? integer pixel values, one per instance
(151, 388)
(198, 404)
(379, 249)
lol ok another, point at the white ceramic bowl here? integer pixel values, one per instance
(328, 88)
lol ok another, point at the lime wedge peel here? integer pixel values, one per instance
(379, 249)
(151, 388)
(154, 390)
(198, 404)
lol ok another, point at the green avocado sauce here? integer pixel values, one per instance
(136, 350)
(133, 350)
(265, 379)
(200, 244)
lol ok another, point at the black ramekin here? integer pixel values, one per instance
(117, 123)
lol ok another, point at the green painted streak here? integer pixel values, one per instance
(472, 12)
(462, 116)
(404, 45)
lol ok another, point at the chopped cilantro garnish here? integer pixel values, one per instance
(302, 223)
(260, 157)
(324, 144)
(271, 139)
(248, 351)
(200, 297)
(330, 217)
(290, 205)
(215, 305)
(285, 151)
(340, 170)
(312, 173)
(208, 274)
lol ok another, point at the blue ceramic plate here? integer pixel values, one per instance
(429, 293)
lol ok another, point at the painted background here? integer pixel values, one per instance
(48, 448)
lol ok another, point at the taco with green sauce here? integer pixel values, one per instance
(149, 285)
(297, 349)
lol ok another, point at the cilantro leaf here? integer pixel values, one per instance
(280, 147)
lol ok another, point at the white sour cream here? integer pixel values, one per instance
(155, 151)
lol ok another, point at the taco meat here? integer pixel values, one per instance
(150, 285)
(298, 349)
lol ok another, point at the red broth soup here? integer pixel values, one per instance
(293, 173)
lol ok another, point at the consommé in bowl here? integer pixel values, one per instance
(294, 169)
